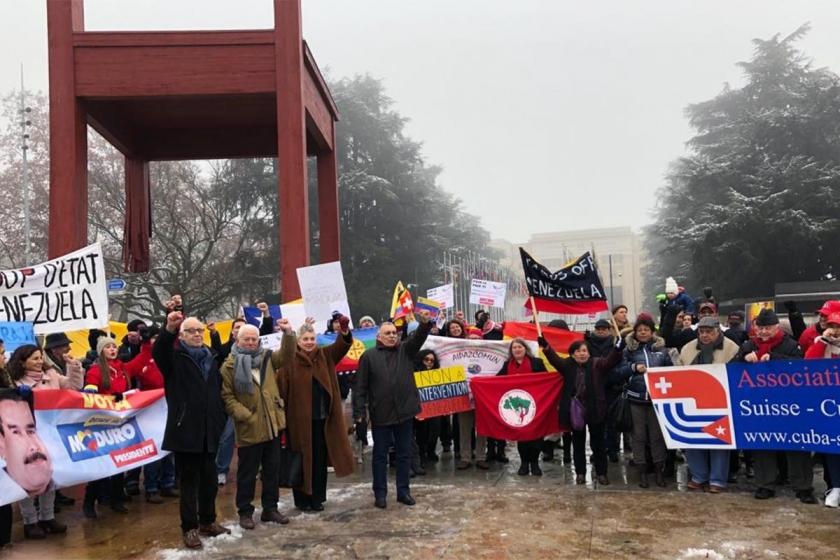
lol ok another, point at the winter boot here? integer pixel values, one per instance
(660, 474)
(643, 477)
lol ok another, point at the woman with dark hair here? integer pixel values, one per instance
(426, 431)
(522, 360)
(26, 367)
(645, 350)
(106, 376)
(450, 425)
(585, 379)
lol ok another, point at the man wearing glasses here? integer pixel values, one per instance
(194, 422)
(770, 342)
(385, 387)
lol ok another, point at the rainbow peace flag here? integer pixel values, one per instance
(362, 340)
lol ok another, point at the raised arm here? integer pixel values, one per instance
(415, 342)
(163, 350)
(343, 341)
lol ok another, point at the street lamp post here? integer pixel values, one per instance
(24, 136)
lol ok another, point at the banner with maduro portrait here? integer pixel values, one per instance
(56, 438)
(769, 405)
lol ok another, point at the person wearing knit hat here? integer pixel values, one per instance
(109, 377)
(768, 343)
(677, 297)
(366, 322)
(644, 350)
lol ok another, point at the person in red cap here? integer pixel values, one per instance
(815, 330)
(827, 346)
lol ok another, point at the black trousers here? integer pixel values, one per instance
(251, 459)
(318, 468)
(596, 441)
(113, 487)
(197, 473)
(5, 524)
(529, 451)
(426, 432)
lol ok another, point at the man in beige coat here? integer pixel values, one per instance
(251, 397)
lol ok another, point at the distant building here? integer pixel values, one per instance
(618, 254)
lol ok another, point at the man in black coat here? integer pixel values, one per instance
(194, 421)
(385, 387)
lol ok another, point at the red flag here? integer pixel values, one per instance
(517, 407)
(560, 339)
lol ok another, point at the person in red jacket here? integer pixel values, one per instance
(811, 333)
(116, 381)
(106, 376)
(827, 346)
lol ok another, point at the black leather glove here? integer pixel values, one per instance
(118, 397)
(542, 342)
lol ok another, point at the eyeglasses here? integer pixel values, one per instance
(194, 331)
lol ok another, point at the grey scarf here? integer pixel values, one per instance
(243, 360)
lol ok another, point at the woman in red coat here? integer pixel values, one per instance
(107, 375)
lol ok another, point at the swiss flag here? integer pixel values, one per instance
(517, 407)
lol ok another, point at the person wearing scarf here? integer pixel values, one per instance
(194, 421)
(315, 411)
(709, 468)
(252, 399)
(827, 346)
(107, 375)
(522, 360)
(26, 368)
(770, 342)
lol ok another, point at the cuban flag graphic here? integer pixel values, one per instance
(692, 405)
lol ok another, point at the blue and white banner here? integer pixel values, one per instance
(75, 437)
(781, 405)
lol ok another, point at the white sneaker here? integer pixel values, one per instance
(222, 479)
(832, 498)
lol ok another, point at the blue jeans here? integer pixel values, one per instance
(159, 475)
(224, 455)
(708, 465)
(401, 435)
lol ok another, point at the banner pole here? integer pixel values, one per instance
(536, 316)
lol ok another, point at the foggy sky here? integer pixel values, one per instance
(545, 115)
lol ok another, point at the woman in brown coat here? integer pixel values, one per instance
(314, 412)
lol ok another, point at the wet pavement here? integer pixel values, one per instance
(476, 514)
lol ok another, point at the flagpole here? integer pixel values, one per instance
(536, 317)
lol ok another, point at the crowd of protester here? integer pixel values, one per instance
(236, 395)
